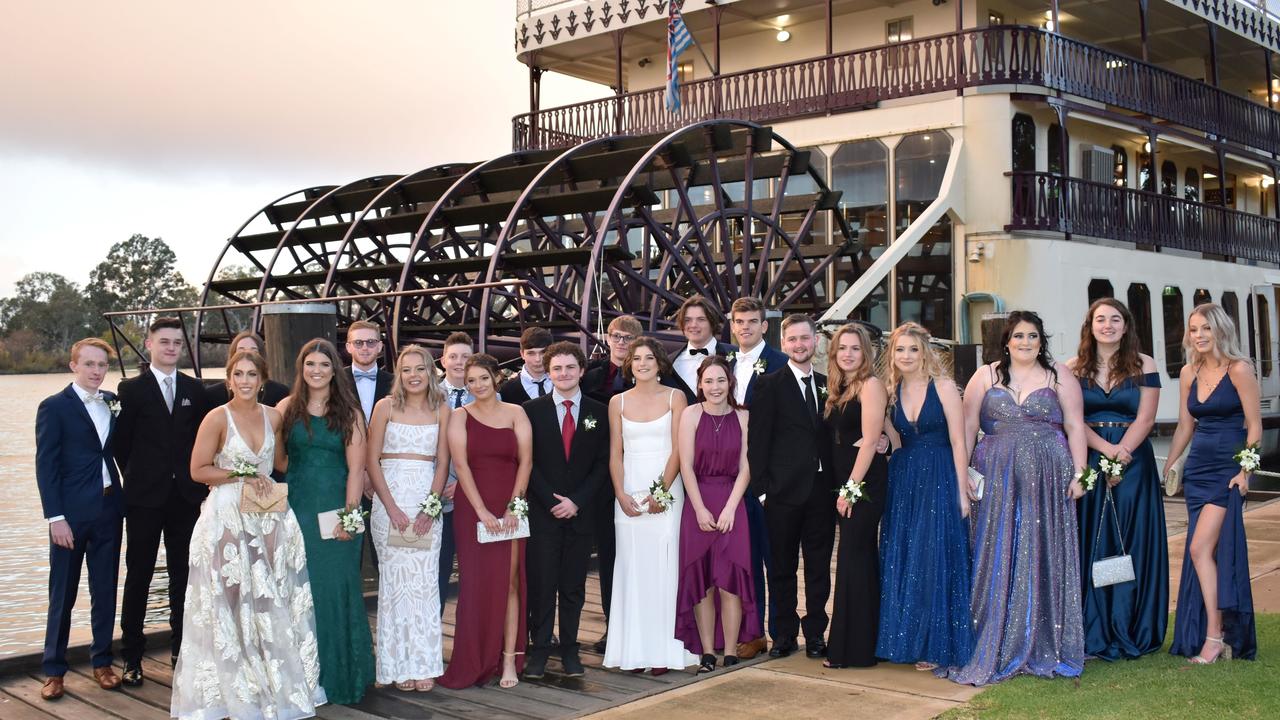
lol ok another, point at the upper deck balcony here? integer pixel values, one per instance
(1091, 61)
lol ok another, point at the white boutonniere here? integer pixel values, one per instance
(589, 423)
(114, 406)
(822, 392)
(731, 357)
(759, 366)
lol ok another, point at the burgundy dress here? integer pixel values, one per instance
(715, 559)
(483, 570)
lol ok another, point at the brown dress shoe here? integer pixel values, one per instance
(106, 677)
(52, 689)
(748, 650)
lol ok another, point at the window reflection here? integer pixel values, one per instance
(1171, 304)
(924, 278)
(860, 170)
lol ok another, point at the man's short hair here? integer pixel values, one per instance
(460, 338)
(164, 323)
(535, 337)
(713, 315)
(564, 347)
(797, 318)
(363, 325)
(747, 305)
(627, 324)
(88, 343)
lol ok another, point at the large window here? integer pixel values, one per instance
(1139, 299)
(1231, 306)
(1057, 140)
(924, 279)
(1098, 289)
(1121, 178)
(860, 171)
(1174, 329)
(1024, 143)
(1200, 297)
(898, 31)
(1168, 178)
(1191, 185)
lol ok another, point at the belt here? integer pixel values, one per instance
(108, 490)
(1109, 424)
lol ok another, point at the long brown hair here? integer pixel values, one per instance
(343, 411)
(843, 386)
(1126, 363)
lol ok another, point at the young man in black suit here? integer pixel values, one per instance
(570, 468)
(532, 381)
(160, 411)
(785, 447)
(700, 323)
(80, 497)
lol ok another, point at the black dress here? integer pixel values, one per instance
(855, 618)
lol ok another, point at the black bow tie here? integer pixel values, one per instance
(698, 351)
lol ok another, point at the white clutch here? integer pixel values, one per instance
(328, 522)
(521, 531)
(978, 481)
(408, 539)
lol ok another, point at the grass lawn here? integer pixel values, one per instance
(1156, 686)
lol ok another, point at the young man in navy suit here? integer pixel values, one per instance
(753, 360)
(81, 498)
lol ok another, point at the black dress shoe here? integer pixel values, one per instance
(573, 666)
(730, 660)
(783, 648)
(602, 644)
(132, 674)
(535, 667)
(815, 649)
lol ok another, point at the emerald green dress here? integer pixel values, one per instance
(317, 479)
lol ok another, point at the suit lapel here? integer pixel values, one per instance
(78, 408)
(153, 383)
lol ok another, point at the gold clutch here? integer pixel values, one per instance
(276, 501)
(408, 539)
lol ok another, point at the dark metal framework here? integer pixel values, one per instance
(564, 238)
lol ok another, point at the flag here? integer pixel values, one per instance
(678, 40)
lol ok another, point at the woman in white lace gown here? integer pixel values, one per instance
(642, 621)
(406, 464)
(249, 648)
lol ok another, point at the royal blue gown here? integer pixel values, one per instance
(1126, 620)
(924, 546)
(1220, 434)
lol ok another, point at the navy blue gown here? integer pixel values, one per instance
(1220, 434)
(1126, 620)
(924, 547)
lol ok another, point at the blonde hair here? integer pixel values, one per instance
(845, 386)
(434, 395)
(930, 362)
(1225, 342)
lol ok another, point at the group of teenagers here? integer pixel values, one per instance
(968, 521)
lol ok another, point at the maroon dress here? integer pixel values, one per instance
(493, 457)
(715, 559)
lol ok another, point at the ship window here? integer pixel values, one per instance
(1139, 298)
(1200, 297)
(995, 18)
(1144, 172)
(1057, 138)
(1024, 143)
(1253, 341)
(1264, 333)
(1168, 178)
(1122, 166)
(1098, 289)
(924, 280)
(897, 31)
(1174, 327)
(860, 171)
(1231, 305)
(1191, 185)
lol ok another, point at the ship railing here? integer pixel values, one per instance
(1051, 202)
(997, 55)
(524, 8)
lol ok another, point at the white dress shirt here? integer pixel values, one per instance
(559, 399)
(366, 388)
(743, 370)
(801, 377)
(686, 365)
(101, 416)
(531, 387)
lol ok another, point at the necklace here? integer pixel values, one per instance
(715, 426)
(1212, 385)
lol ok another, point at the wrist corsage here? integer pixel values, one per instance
(432, 506)
(1249, 458)
(660, 494)
(1087, 477)
(352, 521)
(1111, 466)
(519, 507)
(242, 467)
(850, 491)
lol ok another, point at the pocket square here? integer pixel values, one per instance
(186, 402)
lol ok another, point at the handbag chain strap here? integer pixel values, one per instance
(1115, 516)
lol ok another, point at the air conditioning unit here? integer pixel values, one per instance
(1097, 163)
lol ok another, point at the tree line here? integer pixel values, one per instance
(47, 311)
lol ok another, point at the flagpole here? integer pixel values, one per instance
(714, 70)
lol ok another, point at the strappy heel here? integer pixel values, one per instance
(707, 664)
(730, 660)
(1224, 653)
(507, 683)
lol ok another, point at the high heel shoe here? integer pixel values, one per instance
(507, 683)
(1224, 653)
(707, 664)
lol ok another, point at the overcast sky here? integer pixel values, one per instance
(180, 120)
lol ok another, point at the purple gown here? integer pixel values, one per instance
(1026, 567)
(715, 559)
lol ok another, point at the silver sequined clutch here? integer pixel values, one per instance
(1113, 570)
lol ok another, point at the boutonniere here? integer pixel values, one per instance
(760, 366)
(114, 406)
(589, 423)
(731, 357)
(822, 391)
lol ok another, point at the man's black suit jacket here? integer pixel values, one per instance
(152, 445)
(785, 440)
(380, 390)
(580, 477)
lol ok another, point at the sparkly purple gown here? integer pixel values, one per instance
(1026, 567)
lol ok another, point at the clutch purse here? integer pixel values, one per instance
(1117, 568)
(521, 531)
(978, 481)
(408, 539)
(328, 521)
(276, 501)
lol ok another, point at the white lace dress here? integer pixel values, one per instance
(409, 643)
(249, 640)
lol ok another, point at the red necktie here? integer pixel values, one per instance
(567, 427)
